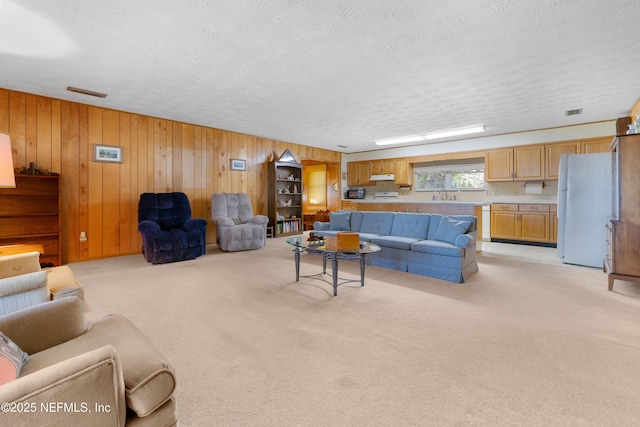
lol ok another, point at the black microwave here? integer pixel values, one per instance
(355, 193)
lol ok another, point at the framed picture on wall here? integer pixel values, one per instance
(238, 165)
(107, 153)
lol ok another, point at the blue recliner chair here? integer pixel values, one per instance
(169, 233)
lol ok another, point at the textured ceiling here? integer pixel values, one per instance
(331, 73)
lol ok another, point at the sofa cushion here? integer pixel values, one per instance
(410, 225)
(12, 359)
(436, 247)
(394, 242)
(377, 223)
(356, 220)
(434, 223)
(450, 228)
(340, 221)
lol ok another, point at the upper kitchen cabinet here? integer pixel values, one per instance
(528, 163)
(596, 145)
(358, 173)
(499, 165)
(403, 172)
(381, 167)
(553, 153)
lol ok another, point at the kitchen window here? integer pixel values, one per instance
(449, 177)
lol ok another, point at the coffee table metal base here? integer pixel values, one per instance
(334, 257)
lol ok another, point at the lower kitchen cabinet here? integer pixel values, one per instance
(526, 222)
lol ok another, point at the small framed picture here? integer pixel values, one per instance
(238, 165)
(107, 153)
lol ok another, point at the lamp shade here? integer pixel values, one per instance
(7, 177)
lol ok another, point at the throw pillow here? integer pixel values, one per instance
(450, 228)
(12, 359)
(340, 221)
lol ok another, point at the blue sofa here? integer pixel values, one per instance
(434, 245)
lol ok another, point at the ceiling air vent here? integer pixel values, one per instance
(573, 112)
(86, 92)
(343, 146)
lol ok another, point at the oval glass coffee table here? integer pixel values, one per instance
(301, 244)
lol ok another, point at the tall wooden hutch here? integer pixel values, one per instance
(623, 231)
(285, 196)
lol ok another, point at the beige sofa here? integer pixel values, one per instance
(104, 374)
(23, 283)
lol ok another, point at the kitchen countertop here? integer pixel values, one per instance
(456, 202)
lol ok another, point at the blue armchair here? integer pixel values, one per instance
(169, 233)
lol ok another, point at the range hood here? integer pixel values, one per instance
(382, 177)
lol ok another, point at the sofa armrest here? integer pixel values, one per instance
(17, 264)
(258, 219)
(45, 325)
(23, 283)
(89, 384)
(223, 221)
(465, 240)
(149, 227)
(197, 224)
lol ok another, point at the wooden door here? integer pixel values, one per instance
(504, 221)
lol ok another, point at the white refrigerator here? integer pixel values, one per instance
(584, 207)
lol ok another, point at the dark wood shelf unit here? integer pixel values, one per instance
(285, 198)
(30, 214)
(623, 230)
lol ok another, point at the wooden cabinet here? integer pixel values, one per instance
(527, 222)
(30, 214)
(528, 163)
(596, 145)
(623, 231)
(403, 173)
(358, 173)
(381, 166)
(285, 198)
(553, 231)
(499, 165)
(553, 153)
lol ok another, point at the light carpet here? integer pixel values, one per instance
(519, 344)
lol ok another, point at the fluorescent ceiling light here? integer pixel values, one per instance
(424, 137)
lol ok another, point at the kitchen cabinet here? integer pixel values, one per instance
(499, 165)
(526, 222)
(358, 173)
(384, 166)
(403, 172)
(515, 164)
(553, 153)
(623, 231)
(553, 231)
(596, 145)
(528, 163)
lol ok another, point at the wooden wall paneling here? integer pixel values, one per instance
(161, 156)
(31, 133)
(110, 186)
(210, 172)
(184, 162)
(42, 143)
(4, 111)
(125, 221)
(56, 136)
(94, 185)
(198, 173)
(17, 127)
(70, 182)
(176, 144)
(85, 155)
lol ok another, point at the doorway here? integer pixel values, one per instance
(321, 189)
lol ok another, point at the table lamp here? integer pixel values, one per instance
(7, 177)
